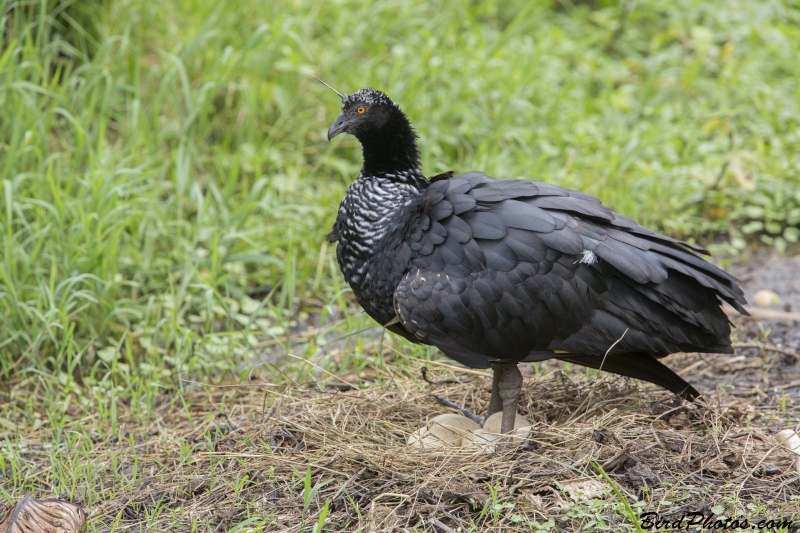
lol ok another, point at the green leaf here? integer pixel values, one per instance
(322, 516)
(752, 211)
(307, 488)
(752, 227)
(109, 353)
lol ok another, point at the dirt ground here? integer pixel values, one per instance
(754, 369)
(775, 273)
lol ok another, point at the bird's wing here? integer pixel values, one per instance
(502, 269)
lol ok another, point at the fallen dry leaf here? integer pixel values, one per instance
(49, 515)
(584, 489)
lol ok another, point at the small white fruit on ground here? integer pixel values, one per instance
(791, 441)
(765, 298)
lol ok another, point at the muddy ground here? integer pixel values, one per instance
(772, 272)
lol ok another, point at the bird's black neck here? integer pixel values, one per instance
(392, 149)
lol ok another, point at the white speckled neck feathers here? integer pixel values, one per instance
(372, 207)
(370, 228)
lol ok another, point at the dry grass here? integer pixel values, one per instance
(238, 456)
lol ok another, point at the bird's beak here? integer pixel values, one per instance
(338, 126)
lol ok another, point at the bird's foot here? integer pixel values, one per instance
(463, 410)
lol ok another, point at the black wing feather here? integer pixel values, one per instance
(515, 269)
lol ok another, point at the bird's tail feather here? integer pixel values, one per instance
(640, 366)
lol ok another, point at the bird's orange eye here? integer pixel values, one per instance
(361, 110)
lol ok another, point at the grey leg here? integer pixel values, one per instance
(506, 386)
(509, 387)
(496, 403)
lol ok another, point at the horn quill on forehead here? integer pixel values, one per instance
(340, 95)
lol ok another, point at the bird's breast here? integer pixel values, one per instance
(370, 225)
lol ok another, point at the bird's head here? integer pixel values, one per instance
(389, 142)
(365, 114)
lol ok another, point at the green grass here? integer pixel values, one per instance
(147, 188)
(167, 168)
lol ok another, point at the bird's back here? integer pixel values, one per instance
(521, 270)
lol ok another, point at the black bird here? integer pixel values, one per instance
(497, 272)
